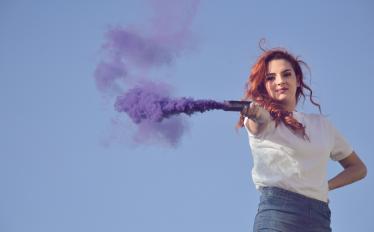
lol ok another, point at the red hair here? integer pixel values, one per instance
(256, 90)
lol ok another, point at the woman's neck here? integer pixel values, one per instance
(289, 106)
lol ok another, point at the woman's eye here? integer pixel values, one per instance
(269, 78)
(287, 74)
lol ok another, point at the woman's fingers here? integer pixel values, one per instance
(250, 111)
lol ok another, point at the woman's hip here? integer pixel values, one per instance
(283, 210)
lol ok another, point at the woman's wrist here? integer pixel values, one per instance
(256, 113)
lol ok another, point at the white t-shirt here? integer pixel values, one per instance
(283, 159)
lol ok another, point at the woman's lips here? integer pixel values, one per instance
(282, 90)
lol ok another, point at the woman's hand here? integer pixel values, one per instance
(257, 116)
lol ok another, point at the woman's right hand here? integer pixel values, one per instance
(256, 113)
(258, 118)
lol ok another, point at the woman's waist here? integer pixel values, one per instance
(293, 196)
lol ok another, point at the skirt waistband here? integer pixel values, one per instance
(286, 194)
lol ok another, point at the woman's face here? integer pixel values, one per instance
(281, 83)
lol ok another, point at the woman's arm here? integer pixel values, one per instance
(254, 127)
(354, 170)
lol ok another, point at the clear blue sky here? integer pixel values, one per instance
(57, 175)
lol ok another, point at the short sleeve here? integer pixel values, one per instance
(246, 128)
(260, 135)
(340, 147)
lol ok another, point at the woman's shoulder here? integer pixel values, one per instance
(309, 115)
(312, 117)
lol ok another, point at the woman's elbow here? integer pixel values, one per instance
(356, 165)
(364, 171)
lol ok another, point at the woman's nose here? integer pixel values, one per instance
(279, 80)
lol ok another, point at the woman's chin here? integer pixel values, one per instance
(282, 100)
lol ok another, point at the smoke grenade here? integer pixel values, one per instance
(235, 105)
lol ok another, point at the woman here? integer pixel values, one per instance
(291, 149)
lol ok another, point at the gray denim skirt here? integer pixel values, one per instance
(285, 211)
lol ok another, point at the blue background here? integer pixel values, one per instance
(58, 172)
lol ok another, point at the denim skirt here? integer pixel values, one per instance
(285, 211)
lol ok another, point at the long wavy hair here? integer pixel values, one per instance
(256, 90)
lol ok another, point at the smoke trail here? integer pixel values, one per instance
(136, 49)
(131, 50)
(147, 103)
(131, 53)
(128, 51)
(168, 132)
(106, 75)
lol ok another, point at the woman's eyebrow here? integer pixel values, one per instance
(271, 74)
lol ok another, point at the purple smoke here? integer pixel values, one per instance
(131, 53)
(136, 49)
(147, 103)
(106, 75)
(131, 50)
(168, 132)
(153, 111)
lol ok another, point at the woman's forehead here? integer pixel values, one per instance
(279, 66)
